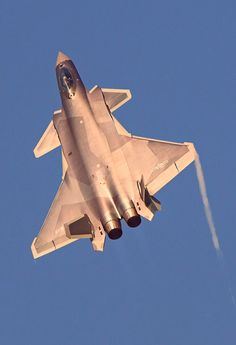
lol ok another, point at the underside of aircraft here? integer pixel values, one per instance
(108, 174)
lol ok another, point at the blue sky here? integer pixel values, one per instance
(160, 284)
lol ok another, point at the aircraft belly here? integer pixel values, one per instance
(96, 160)
(123, 186)
(108, 173)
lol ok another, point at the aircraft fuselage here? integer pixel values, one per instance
(88, 152)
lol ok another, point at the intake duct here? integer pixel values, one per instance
(113, 229)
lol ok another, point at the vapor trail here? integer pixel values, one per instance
(207, 208)
(215, 240)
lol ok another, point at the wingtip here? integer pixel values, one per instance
(192, 149)
(33, 249)
(45, 249)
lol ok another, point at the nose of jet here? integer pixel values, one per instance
(61, 57)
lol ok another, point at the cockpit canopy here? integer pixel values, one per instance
(67, 82)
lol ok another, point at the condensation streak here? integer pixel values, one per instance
(215, 240)
(207, 208)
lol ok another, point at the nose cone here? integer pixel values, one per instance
(61, 57)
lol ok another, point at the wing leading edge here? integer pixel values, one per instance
(66, 222)
(157, 162)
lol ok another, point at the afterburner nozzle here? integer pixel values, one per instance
(113, 229)
(131, 217)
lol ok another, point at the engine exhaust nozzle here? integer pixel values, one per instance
(113, 229)
(131, 217)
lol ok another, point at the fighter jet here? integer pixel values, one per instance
(108, 174)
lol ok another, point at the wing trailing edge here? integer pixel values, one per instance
(50, 246)
(67, 219)
(72, 231)
(178, 165)
(163, 160)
